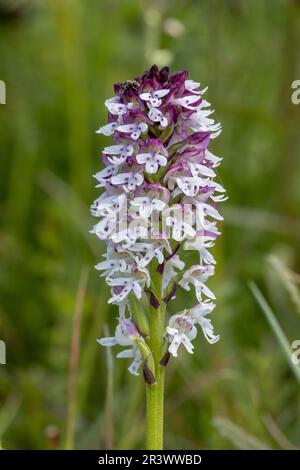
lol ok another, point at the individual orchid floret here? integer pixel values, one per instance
(157, 116)
(193, 87)
(129, 181)
(153, 155)
(115, 106)
(154, 97)
(104, 176)
(108, 129)
(172, 268)
(199, 315)
(123, 286)
(197, 276)
(188, 102)
(146, 205)
(202, 243)
(134, 130)
(111, 266)
(181, 228)
(181, 330)
(126, 334)
(118, 154)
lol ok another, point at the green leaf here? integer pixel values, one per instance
(276, 328)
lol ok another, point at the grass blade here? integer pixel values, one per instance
(286, 278)
(74, 358)
(276, 328)
(108, 436)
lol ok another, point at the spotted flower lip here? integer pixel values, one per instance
(152, 155)
(160, 198)
(134, 130)
(152, 161)
(154, 97)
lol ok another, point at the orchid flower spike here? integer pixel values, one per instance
(159, 199)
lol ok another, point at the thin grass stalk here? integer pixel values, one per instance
(276, 328)
(74, 359)
(108, 437)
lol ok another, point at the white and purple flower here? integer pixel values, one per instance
(126, 335)
(159, 199)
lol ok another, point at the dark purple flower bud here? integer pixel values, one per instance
(171, 294)
(153, 299)
(160, 268)
(164, 75)
(148, 374)
(165, 359)
(153, 72)
(201, 139)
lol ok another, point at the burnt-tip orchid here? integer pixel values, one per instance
(158, 204)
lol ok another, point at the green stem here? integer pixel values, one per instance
(155, 393)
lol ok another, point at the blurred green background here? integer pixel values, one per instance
(59, 59)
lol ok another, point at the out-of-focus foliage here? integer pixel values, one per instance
(59, 60)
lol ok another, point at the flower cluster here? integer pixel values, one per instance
(159, 200)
